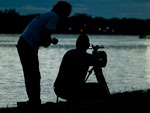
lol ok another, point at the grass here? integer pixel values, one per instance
(135, 101)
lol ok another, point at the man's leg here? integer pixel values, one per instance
(94, 91)
(30, 65)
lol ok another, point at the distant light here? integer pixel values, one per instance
(99, 29)
(104, 30)
(84, 25)
(70, 28)
(107, 27)
(113, 30)
(81, 30)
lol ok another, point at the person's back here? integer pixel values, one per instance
(34, 32)
(74, 68)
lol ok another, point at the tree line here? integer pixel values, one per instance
(13, 22)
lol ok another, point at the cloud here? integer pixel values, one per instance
(33, 8)
(80, 8)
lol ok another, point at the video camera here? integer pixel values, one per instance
(97, 53)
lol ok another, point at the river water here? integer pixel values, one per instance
(128, 66)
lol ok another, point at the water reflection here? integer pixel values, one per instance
(147, 66)
(128, 65)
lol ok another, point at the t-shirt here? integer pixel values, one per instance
(74, 67)
(34, 32)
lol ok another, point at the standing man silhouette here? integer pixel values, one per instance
(38, 33)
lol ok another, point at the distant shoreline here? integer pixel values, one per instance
(12, 22)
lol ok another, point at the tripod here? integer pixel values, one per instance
(98, 70)
(99, 75)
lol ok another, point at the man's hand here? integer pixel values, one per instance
(54, 41)
(46, 43)
(49, 41)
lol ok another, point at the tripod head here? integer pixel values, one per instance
(101, 55)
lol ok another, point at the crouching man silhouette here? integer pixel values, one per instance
(70, 83)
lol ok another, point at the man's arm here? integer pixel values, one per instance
(99, 62)
(47, 40)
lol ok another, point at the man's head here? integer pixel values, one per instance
(82, 42)
(62, 8)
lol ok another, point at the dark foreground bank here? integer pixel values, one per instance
(127, 102)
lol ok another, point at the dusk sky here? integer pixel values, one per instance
(96, 8)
